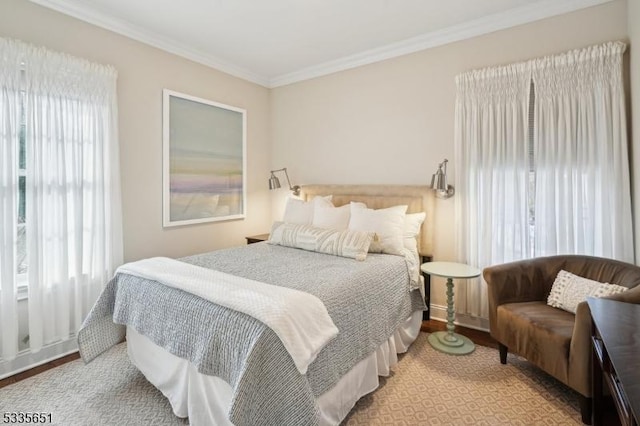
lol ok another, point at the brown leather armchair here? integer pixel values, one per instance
(554, 340)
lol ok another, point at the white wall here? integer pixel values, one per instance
(392, 121)
(143, 72)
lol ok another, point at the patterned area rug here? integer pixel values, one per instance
(431, 388)
(427, 388)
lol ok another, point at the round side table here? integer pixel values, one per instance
(448, 341)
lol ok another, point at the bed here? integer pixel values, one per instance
(219, 366)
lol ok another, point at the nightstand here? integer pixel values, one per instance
(257, 238)
(448, 341)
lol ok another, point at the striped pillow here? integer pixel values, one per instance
(345, 243)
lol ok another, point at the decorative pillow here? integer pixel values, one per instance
(345, 243)
(300, 211)
(569, 290)
(387, 224)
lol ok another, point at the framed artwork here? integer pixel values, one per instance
(204, 160)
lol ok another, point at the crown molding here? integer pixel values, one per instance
(518, 16)
(470, 29)
(85, 14)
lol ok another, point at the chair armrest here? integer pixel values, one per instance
(580, 348)
(579, 374)
(630, 296)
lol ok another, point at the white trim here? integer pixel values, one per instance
(518, 16)
(439, 313)
(27, 360)
(86, 14)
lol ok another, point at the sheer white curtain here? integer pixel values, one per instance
(556, 184)
(73, 208)
(583, 195)
(10, 80)
(492, 171)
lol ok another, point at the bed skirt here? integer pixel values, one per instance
(206, 399)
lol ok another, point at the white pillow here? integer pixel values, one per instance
(330, 217)
(388, 225)
(345, 243)
(412, 223)
(301, 212)
(569, 290)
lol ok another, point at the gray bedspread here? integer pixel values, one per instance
(367, 301)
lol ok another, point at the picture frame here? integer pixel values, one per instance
(204, 160)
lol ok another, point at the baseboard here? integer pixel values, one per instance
(25, 360)
(439, 313)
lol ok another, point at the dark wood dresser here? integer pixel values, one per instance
(616, 358)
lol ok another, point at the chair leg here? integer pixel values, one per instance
(586, 406)
(503, 353)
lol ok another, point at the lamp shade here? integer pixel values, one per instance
(274, 182)
(439, 181)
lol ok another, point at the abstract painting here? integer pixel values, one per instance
(204, 145)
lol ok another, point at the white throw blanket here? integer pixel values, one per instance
(299, 319)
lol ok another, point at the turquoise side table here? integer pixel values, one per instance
(448, 341)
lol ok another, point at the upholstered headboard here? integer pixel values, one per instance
(418, 198)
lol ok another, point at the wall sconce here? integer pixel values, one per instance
(274, 182)
(439, 182)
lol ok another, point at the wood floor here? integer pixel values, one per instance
(478, 337)
(39, 369)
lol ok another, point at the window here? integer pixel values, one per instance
(59, 195)
(22, 261)
(531, 200)
(534, 142)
